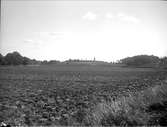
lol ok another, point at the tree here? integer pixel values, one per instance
(2, 61)
(13, 58)
(26, 61)
(163, 62)
(141, 60)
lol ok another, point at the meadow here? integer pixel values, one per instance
(82, 95)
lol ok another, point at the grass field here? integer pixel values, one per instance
(81, 95)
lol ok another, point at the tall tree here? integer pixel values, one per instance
(2, 61)
(13, 58)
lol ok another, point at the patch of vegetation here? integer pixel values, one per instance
(81, 96)
(148, 107)
(145, 61)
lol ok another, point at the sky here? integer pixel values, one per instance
(106, 30)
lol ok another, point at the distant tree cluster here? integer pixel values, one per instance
(15, 58)
(78, 60)
(144, 60)
(50, 62)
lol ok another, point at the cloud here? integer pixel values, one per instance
(128, 18)
(28, 41)
(43, 37)
(31, 43)
(55, 34)
(90, 16)
(121, 17)
(109, 16)
(48, 34)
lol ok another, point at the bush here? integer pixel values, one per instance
(141, 60)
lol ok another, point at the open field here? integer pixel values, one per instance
(70, 95)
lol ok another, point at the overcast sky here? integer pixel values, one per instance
(83, 29)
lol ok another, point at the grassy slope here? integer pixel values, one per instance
(148, 107)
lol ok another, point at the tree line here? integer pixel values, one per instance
(15, 58)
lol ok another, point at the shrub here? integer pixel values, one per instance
(148, 107)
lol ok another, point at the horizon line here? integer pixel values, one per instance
(81, 59)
